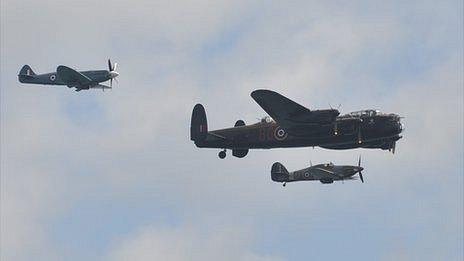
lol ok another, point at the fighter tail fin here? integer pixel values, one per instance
(27, 71)
(199, 124)
(26, 75)
(279, 173)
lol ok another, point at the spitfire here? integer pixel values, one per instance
(66, 76)
(325, 173)
(293, 125)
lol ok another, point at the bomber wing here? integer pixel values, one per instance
(289, 114)
(73, 78)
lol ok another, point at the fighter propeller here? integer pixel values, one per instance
(112, 72)
(360, 169)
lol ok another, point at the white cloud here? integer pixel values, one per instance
(134, 148)
(188, 243)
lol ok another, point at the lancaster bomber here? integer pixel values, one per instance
(293, 125)
(325, 173)
(66, 76)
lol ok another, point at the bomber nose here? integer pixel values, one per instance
(399, 124)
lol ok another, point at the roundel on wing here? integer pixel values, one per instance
(52, 77)
(280, 134)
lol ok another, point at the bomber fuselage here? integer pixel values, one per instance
(355, 130)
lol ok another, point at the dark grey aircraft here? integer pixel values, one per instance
(66, 76)
(325, 173)
(293, 125)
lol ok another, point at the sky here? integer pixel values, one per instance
(113, 175)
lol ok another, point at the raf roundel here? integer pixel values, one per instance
(52, 77)
(280, 134)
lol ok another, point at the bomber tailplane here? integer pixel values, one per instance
(199, 124)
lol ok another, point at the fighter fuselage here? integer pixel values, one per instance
(325, 173)
(96, 76)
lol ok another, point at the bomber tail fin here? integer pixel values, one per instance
(199, 124)
(279, 173)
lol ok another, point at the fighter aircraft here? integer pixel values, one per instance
(325, 173)
(66, 76)
(293, 125)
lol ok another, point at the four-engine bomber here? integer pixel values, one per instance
(293, 125)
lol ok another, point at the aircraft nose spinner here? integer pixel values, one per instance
(113, 74)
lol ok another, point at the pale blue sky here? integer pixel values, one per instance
(113, 175)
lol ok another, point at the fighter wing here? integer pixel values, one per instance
(72, 77)
(289, 114)
(101, 86)
(322, 173)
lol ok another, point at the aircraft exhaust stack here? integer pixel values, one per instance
(198, 125)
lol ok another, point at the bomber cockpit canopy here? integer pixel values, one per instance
(363, 113)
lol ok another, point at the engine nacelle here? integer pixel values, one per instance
(239, 153)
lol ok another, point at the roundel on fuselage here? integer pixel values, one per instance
(280, 134)
(52, 77)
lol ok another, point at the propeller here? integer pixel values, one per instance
(112, 72)
(359, 135)
(338, 107)
(359, 165)
(335, 124)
